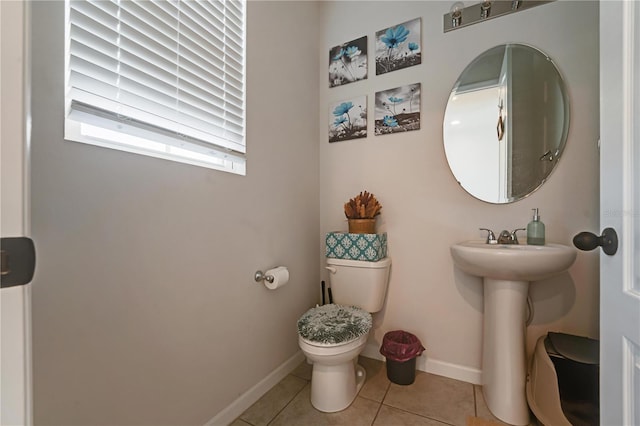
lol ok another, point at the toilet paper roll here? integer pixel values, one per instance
(280, 277)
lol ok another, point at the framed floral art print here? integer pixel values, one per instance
(399, 47)
(398, 110)
(348, 119)
(348, 62)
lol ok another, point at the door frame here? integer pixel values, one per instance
(15, 311)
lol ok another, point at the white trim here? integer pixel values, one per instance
(630, 372)
(26, 90)
(434, 366)
(452, 371)
(247, 399)
(628, 63)
(16, 390)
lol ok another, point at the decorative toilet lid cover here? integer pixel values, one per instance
(333, 323)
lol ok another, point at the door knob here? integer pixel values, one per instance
(17, 261)
(608, 241)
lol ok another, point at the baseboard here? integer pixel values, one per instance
(441, 368)
(247, 399)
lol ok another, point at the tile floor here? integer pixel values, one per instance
(430, 401)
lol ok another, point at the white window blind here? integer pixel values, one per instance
(167, 76)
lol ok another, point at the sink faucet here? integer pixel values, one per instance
(491, 237)
(507, 237)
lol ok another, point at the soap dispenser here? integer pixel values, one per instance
(535, 230)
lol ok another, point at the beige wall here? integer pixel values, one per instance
(144, 306)
(425, 210)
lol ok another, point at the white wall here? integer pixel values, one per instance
(144, 306)
(424, 209)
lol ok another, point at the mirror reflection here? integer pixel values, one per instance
(506, 123)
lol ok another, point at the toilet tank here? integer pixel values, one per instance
(359, 283)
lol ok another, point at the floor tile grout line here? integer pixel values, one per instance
(386, 392)
(475, 401)
(368, 399)
(419, 415)
(377, 412)
(406, 411)
(380, 404)
(372, 398)
(299, 376)
(291, 400)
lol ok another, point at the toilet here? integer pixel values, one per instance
(332, 336)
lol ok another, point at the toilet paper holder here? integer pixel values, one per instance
(260, 276)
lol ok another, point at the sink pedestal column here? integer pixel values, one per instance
(508, 270)
(504, 369)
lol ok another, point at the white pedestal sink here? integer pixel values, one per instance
(507, 271)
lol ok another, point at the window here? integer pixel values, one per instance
(160, 78)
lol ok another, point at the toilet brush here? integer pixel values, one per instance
(322, 284)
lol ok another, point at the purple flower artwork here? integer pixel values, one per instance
(398, 110)
(399, 47)
(348, 62)
(348, 119)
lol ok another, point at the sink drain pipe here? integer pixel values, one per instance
(529, 311)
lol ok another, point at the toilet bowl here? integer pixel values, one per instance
(336, 377)
(332, 336)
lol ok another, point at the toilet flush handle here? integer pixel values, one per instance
(331, 269)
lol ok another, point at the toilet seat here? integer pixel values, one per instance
(332, 353)
(333, 325)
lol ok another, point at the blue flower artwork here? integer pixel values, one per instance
(348, 62)
(389, 121)
(348, 119)
(399, 47)
(398, 110)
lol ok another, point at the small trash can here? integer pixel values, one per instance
(401, 348)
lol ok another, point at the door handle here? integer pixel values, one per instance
(4, 263)
(500, 127)
(547, 156)
(608, 241)
(17, 261)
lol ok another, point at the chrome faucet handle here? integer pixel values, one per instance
(491, 237)
(514, 237)
(505, 237)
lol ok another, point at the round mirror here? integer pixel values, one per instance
(506, 123)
